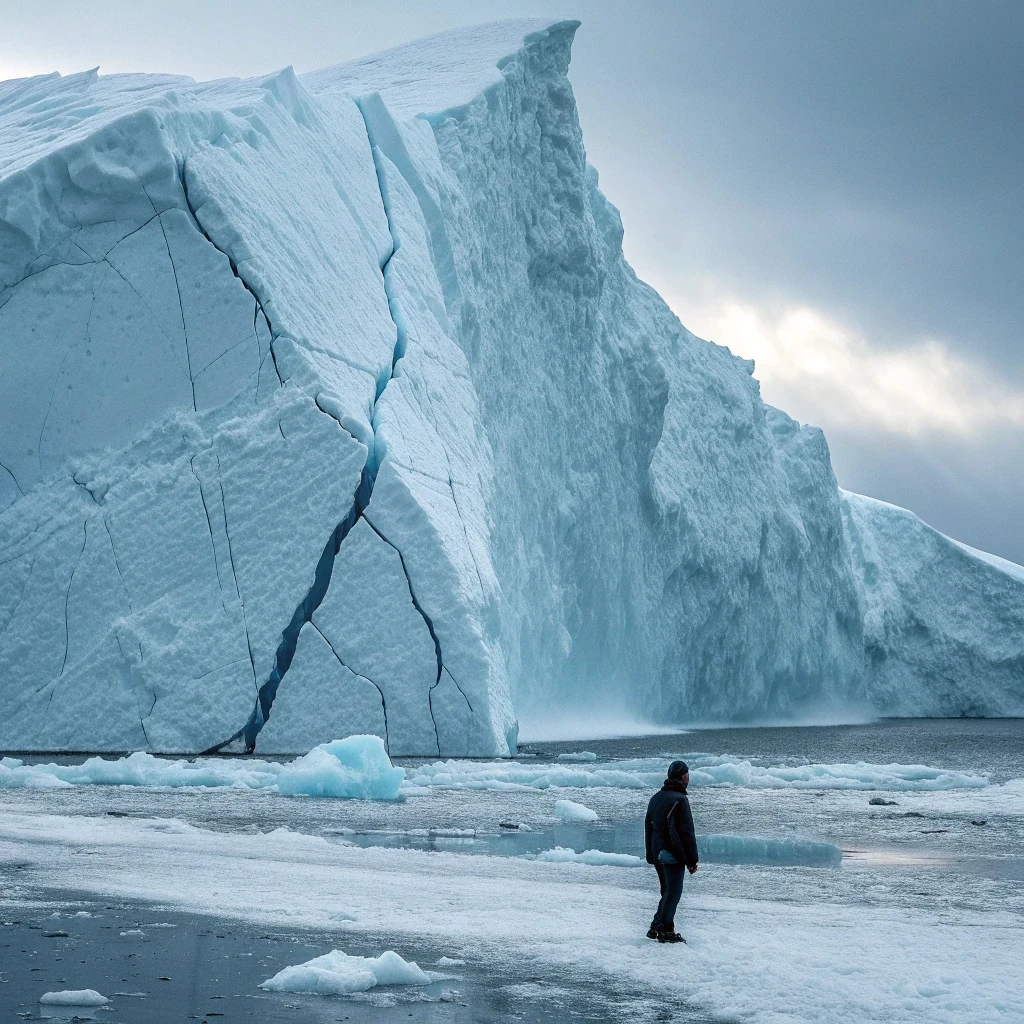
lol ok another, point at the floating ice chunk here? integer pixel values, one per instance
(705, 770)
(16, 775)
(355, 767)
(74, 997)
(563, 855)
(578, 755)
(133, 932)
(569, 810)
(748, 850)
(858, 775)
(359, 767)
(142, 769)
(336, 974)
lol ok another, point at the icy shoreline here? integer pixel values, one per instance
(950, 956)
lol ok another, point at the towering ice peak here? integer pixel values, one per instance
(330, 405)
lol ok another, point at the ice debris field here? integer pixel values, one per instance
(264, 482)
(359, 767)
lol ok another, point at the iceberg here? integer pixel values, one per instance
(570, 810)
(938, 615)
(337, 974)
(357, 767)
(74, 997)
(749, 850)
(596, 858)
(718, 850)
(329, 405)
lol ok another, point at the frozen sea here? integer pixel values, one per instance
(922, 919)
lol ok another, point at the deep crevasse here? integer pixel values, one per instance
(562, 499)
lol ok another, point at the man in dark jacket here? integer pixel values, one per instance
(671, 847)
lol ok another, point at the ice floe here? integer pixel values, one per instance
(337, 974)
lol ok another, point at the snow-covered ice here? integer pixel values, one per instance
(939, 949)
(74, 997)
(337, 973)
(264, 481)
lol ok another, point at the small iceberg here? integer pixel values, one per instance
(748, 850)
(563, 855)
(569, 810)
(74, 997)
(338, 974)
(357, 767)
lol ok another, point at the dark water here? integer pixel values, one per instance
(207, 970)
(985, 746)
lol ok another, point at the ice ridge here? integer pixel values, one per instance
(331, 407)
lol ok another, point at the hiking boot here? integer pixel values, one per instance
(670, 937)
(653, 933)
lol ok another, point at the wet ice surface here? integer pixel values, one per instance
(157, 965)
(953, 852)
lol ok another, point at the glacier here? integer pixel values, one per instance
(331, 407)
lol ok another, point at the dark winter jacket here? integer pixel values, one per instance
(669, 825)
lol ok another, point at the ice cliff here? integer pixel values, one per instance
(330, 406)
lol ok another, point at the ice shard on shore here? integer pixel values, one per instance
(329, 405)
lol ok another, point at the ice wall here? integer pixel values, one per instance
(330, 405)
(943, 623)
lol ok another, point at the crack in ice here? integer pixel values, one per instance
(358, 675)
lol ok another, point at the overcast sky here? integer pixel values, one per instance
(833, 189)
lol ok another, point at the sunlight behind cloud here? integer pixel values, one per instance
(826, 373)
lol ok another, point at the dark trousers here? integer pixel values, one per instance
(670, 878)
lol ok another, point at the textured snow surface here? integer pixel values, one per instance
(336, 974)
(323, 417)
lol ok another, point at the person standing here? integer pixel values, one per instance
(671, 847)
